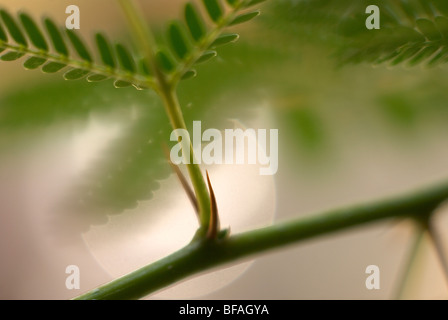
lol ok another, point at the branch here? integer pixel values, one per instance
(410, 261)
(170, 100)
(201, 254)
(92, 68)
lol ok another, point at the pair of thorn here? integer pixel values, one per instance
(214, 225)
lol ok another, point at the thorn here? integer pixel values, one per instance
(183, 181)
(214, 226)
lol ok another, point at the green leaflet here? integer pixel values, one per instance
(245, 17)
(189, 74)
(122, 84)
(143, 66)
(206, 56)
(177, 40)
(125, 59)
(3, 36)
(56, 38)
(213, 9)
(34, 63)
(225, 39)
(194, 22)
(75, 74)
(106, 53)
(13, 28)
(33, 32)
(53, 67)
(12, 56)
(79, 46)
(165, 61)
(97, 78)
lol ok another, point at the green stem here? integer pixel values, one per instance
(167, 91)
(201, 255)
(174, 112)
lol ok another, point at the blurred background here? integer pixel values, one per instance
(83, 179)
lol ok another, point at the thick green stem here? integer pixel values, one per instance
(201, 255)
(197, 179)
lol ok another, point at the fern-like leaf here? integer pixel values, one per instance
(190, 42)
(412, 32)
(193, 40)
(16, 35)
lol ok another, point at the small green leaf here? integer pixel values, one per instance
(34, 63)
(79, 45)
(189, 74)
(194, 22)
(75, 74)
(105, 50)
(207, 55)
(125, 59)
(12, 56)
(96, 78)
(13, 28)
(33, 32)
(214, 9)
(122, 84)
(177, 41)
(2, 49)
(3, 36)
(225, 39)
(165, 61)
(53, 67)
(56, 38)
(428, 28)
(245, 17)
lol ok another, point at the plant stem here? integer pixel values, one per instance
(438, 244)
(201, 255)
(174, 112)
(167, 92)
(410, 261)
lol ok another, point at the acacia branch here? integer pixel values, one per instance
(202, 254)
